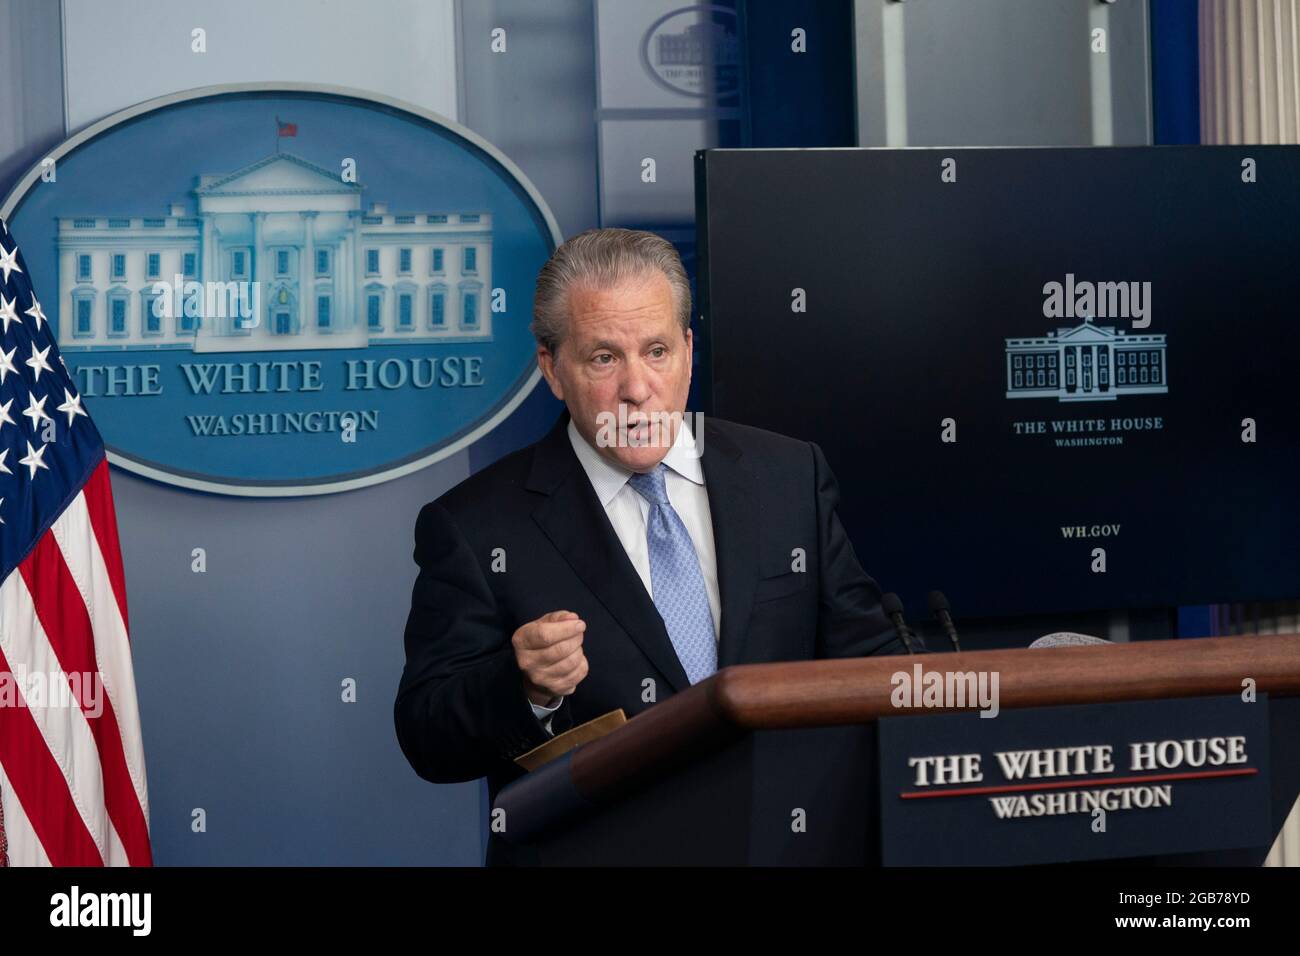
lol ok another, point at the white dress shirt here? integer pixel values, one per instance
(628, 511)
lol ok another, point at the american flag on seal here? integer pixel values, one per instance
(72, 777)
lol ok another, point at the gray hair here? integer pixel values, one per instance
(601, 258)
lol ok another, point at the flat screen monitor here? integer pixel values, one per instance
(1047, 380)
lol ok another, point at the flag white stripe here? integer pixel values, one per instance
(116, 850)
(76, 538)
(24, 847)
(65, 730)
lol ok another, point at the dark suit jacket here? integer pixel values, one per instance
(461, 711)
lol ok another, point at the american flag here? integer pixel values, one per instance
(72, 778)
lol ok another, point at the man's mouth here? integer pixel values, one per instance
(640, 430)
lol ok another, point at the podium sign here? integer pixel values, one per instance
(1084, 782)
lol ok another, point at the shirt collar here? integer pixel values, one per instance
(608, 479)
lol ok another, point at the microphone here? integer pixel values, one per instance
(1068, 639)
(939, 608)
(894, 608)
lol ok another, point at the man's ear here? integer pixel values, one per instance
(546, 362)
(690, 355)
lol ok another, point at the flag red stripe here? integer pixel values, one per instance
(62, 612)
(99, 502)
(41, 788)
(4, 845)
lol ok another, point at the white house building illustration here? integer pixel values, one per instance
(1087, 363)
(327, 273)
(700, 44)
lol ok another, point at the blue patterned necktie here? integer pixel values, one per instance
(676, 582)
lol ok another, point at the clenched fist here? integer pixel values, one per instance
(549, 653)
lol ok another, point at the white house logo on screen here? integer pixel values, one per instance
(694, 50)
(1086, 363)
(306, 291)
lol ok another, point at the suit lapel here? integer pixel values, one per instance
(572, 518)
(735, 538)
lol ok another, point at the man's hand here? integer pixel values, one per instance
(549, 653)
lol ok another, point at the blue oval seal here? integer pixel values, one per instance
(694, 50)
(283, 289)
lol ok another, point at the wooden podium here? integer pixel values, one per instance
(722, 773)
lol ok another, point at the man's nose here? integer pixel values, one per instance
(636, 383)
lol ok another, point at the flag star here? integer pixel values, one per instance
(7, 311)
(38, 363)
(7, 363)
(2, 520)
(4, 414)
(36, 313)
(8, 263)
(33, 459)
(3, 467)
(36, 410)
(72, 407)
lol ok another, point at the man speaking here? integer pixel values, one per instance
(625, 556)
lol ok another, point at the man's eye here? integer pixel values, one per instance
(659, 351)
(601, 359)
